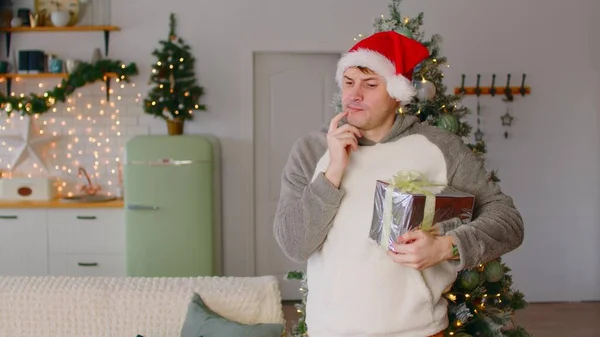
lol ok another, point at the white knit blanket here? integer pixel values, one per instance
(125, 307)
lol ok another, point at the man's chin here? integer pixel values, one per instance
(354, 121)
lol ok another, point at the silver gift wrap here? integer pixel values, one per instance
(407, 210)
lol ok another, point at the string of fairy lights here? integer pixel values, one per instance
(88, 139)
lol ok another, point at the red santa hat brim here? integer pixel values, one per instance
(398, 86)
(391, 55)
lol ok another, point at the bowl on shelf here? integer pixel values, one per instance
(60, 18)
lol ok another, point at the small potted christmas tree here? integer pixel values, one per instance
(174, 95)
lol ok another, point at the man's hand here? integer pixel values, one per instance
(421, 250)
(340, 142)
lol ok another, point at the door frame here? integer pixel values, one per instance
(246, 151)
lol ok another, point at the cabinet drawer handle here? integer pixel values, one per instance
(87, 264)
(8, 217)
(83, 217)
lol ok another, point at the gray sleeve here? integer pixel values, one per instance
(497, 226)
(305, 209)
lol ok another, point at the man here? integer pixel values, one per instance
(326, 205)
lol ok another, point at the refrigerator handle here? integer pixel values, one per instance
(142, 207)
(166, 162)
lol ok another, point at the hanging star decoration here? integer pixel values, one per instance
(30, 143)
(478, 135)
(507, 119)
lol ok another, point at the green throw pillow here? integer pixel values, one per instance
(200, 321)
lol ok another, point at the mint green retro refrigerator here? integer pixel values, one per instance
(172, 206)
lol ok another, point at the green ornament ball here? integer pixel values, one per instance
(493, 271)
(448, 122)
(404, 31)
(469, 280)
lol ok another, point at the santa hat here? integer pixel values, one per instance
(392, 56)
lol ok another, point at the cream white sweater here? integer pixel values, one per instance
(354, 289)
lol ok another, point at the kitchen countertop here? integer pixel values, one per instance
(57, 203)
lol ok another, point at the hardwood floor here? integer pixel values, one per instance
(540, 319)
(561, 319)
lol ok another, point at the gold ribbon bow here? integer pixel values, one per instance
(408, 182)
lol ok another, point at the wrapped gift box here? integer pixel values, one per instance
(404, 211)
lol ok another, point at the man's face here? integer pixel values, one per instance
(365, 97)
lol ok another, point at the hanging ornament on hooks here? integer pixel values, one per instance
(507, 118)
(478, 134)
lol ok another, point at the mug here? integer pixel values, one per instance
(55, 65)
(72, 65)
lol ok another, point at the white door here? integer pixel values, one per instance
(293, 95)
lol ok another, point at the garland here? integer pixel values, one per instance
(84, 74)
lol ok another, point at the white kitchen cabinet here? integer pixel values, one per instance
(62, 240)
(86, 242)
(83, 231)
(23, 242)
(87, 264)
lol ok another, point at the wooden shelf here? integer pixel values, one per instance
(8, 31)
(8, 78)
(25, 29)
(57, 203)
(43, 75)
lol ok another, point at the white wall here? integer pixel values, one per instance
(553, 151)
(550, 164)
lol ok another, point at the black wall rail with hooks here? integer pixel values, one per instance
(492, 90)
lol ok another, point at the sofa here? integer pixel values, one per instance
(53, 306)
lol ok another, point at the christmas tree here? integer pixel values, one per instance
(175, 94)
(482, 301)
